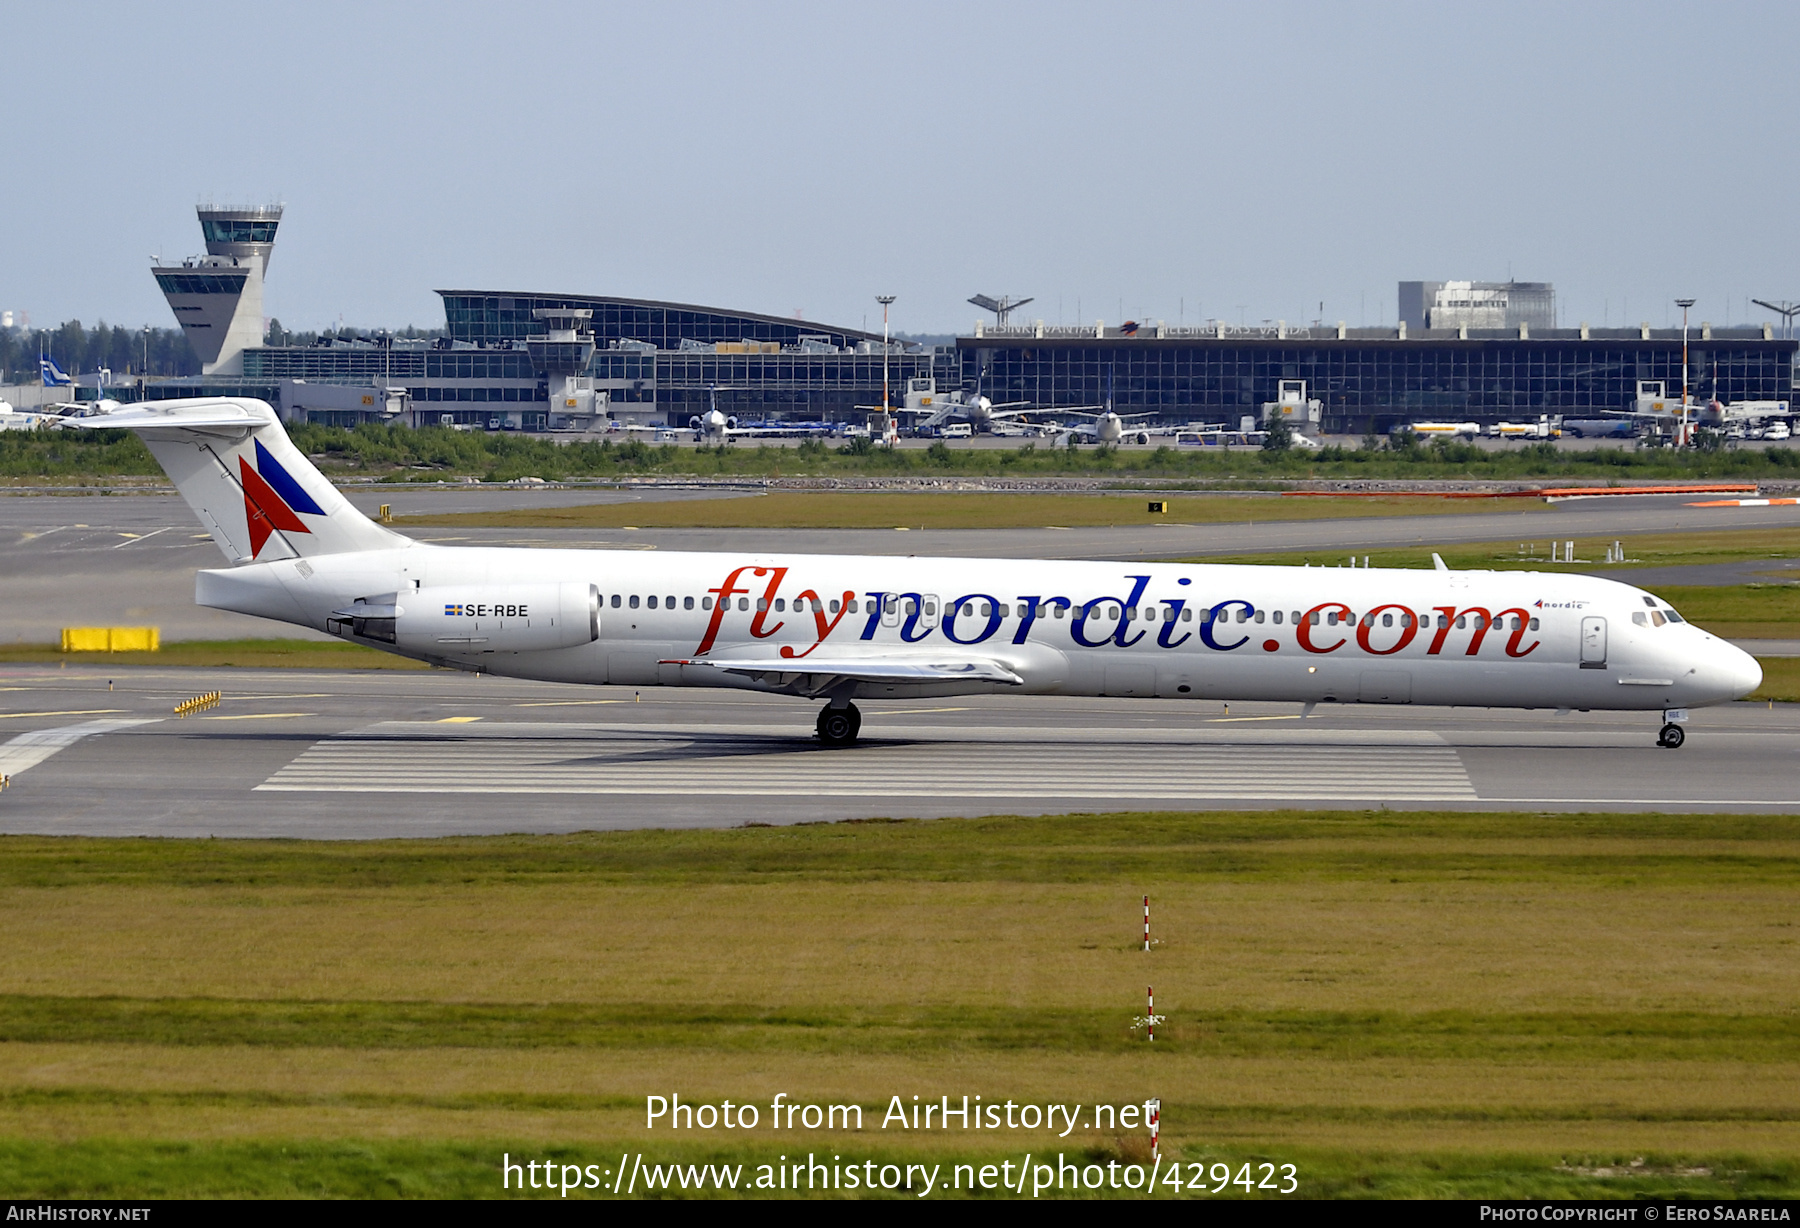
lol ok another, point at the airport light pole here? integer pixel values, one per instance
(1684, 304)
(886, 301)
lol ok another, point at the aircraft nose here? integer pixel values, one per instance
(1748, 671)
(1740, 671)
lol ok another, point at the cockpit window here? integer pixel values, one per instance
(1656, 618)
(1673, 617)
(1640, 618)
(1651, 602)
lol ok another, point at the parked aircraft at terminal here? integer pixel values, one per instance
(715, 427)
(840, 628)
(982, 414)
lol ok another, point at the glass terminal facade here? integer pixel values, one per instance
(487, 318)
(363, 362)
(665, 362)
(1380, 381)
(672, 359)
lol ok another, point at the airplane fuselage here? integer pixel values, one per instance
(1179, 631)
(842, 628)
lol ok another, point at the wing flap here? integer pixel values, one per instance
(865, 669)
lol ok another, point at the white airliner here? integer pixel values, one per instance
(1108, 427)
(715, 428)
(842, 628)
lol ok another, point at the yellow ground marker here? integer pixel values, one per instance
(111, 639)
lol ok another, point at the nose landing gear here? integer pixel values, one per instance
(839, 726)
(1671, 736)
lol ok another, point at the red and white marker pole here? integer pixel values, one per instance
(1150, 1014)
(1155, 1126)
(1146, 923)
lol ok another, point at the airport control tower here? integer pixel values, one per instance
(217, 298)
(560, 354)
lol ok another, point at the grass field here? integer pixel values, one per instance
(1397, 1003)
(1781, 680)
(846, 510)
(1644, 550)
(1738, 611)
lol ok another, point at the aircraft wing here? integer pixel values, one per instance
(775, 432)
(826, 670)
(1020, 409)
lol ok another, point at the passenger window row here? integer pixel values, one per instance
(621, 601)
(1161, 613)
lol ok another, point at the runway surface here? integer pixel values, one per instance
(368, 754)
(131, 559)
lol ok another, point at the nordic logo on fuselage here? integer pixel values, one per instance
(1120, 621)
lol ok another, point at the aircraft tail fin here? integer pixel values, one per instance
(256, 493)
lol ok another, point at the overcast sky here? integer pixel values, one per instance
(1177, 161)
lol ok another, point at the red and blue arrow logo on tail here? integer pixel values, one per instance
(271, 499)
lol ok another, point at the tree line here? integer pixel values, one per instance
(434, 454)
(78, 350)
(132, 352)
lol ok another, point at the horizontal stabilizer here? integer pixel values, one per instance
(178, 415)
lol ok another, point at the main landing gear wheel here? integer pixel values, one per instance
(839, 726)
(1671, 736)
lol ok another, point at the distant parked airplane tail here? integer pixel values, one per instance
(258, 496)
(54, 376)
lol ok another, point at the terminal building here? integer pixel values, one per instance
(1471, 351)
(1370, 378)
(522, 361)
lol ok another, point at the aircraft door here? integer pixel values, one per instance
(1593, 643)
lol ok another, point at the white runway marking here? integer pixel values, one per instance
(1299, 766)
(131, 538)
(30, 749)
